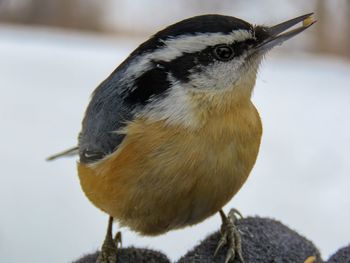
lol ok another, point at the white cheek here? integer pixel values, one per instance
(175, 108)
(219, 75)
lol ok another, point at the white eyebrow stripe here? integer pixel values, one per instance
(198, 42)
(175, 47)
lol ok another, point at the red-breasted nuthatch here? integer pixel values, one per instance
(171, 135)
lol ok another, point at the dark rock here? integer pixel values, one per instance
(263, 240)
(341, 256)
(130, 255)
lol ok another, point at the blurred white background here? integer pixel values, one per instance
(53, 53)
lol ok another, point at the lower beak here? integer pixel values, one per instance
(276, 35)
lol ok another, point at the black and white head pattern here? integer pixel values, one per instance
(202, 53)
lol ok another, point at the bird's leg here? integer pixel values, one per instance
(230, 236)
(110, 246)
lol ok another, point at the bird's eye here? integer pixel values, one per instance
(223, 52)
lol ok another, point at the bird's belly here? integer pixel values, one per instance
(162, 179)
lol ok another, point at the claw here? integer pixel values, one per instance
(233, 212)
(230, 255)
(230, 236)
(222, 242)
(238, 246)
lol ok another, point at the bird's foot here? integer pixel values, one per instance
(110, 246)
(230, 236)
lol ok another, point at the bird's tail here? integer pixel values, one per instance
(67, 153)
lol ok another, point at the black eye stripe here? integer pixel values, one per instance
(240, 47)
(181, 67)
(188, 63)
(155, 81)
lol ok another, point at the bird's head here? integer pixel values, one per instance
(197, 61)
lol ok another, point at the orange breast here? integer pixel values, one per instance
(165, 177)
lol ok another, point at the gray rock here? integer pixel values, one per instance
(341, 256)
(263, 240)
(130, 255)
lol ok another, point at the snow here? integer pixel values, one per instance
(301, 176)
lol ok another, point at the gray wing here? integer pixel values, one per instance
(114, 103)
(107, 113)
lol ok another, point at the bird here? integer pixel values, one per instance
(171, 135)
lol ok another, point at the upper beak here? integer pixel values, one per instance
(276, 35)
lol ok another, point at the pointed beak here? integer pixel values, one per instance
(269, 37)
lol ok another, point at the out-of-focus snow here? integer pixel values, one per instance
(301, 176)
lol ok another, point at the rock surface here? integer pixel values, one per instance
(264, 240)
